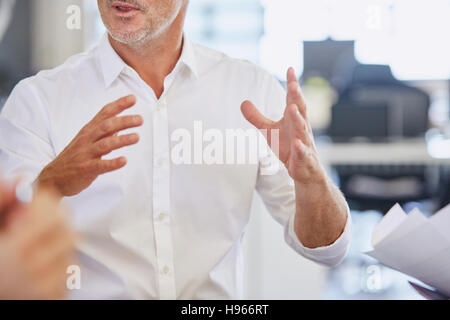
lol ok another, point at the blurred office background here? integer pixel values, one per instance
(376, 75)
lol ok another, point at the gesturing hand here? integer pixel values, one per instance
(36, 247)
(296, 145)
(80, 163)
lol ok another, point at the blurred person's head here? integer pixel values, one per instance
(136, 22)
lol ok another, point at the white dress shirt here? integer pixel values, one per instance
(156, 230)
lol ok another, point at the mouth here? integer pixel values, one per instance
(123, 9)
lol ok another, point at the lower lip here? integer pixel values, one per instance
(125, 12)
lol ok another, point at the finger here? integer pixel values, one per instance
(299, 148)
(294, 94)
(252, 114)
(40, 218)
(116, 107)
(113, 125)
(109, 144)
(298, 128)
(105, 166)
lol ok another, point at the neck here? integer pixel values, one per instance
(154, 60)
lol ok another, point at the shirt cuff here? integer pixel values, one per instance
(330, 255)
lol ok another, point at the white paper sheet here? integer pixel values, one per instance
(415, 245)
(391, 220)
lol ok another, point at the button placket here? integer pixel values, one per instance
(161, 201)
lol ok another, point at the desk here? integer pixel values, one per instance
(390, 160)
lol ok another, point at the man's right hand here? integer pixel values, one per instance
(80, 163)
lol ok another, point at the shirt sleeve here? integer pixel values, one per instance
(277, 191)
(25, 146)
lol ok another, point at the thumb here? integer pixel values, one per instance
(252, 114)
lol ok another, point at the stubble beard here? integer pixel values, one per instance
(155, 26)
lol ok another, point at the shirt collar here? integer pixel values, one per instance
(112, 65)
(110, 62)
(188, 56)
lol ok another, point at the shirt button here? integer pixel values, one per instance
(161, 105)
(161, 217)
(165, 270)
(160, 162)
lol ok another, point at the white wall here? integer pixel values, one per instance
(52, 41)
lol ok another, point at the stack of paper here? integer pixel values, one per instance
(415, 245)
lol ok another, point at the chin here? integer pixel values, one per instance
(128, 36)
(125, 28)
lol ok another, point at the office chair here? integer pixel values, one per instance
(406, 114)
(378, 107)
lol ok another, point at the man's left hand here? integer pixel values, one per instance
(296, 142)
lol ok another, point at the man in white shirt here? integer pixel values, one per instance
(160, 228)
